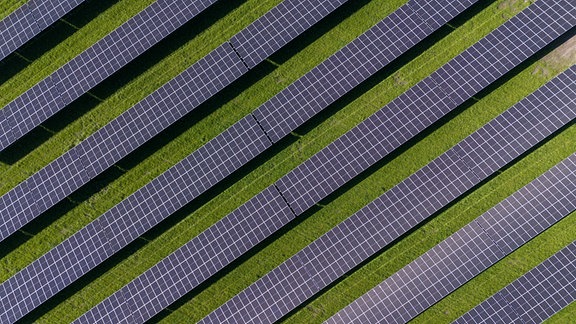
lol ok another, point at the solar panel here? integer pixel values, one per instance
(438, 12)
(421, 106)
(535, 296)
(396, 212)
(427, 283)
(92, 158)
(96, 63)
(504, 48)
(421, 283)
(16, 29)
(344, 247)
(278, 27)
(195, 261)
(506, 138)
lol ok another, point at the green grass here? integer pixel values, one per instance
(129, 175)
(8, 6)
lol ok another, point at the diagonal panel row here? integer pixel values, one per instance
(29, 20)
(424, 104)
(401, 208)
(440, 271)
(361, 46)
(95, 64)
(535, 296)
(148, 118)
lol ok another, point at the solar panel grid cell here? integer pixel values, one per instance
(438, 12)
(341, 72)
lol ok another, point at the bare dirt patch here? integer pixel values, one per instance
(564, 55)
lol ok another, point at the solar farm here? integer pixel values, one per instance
(298, 161)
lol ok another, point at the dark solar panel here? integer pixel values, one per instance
(97, 62)
(198, 259)
(46, 12)
(427, 283)
(16, 29)
(535, 296)
(279, 26)
(341, 72)
(396, 212)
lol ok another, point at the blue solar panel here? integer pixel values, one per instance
(196, 261)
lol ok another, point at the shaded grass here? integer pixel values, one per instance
(145, 164)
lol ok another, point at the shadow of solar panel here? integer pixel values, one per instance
(203, 256)
(16, 29)
(279, 26)
(341, 72)
(535, 296)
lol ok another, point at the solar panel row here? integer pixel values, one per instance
(143, 121)
(175, 187)
(399, 210)
(96, 63)
(459, 258)
(89, 158)
(535, 296)
(29, 20)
